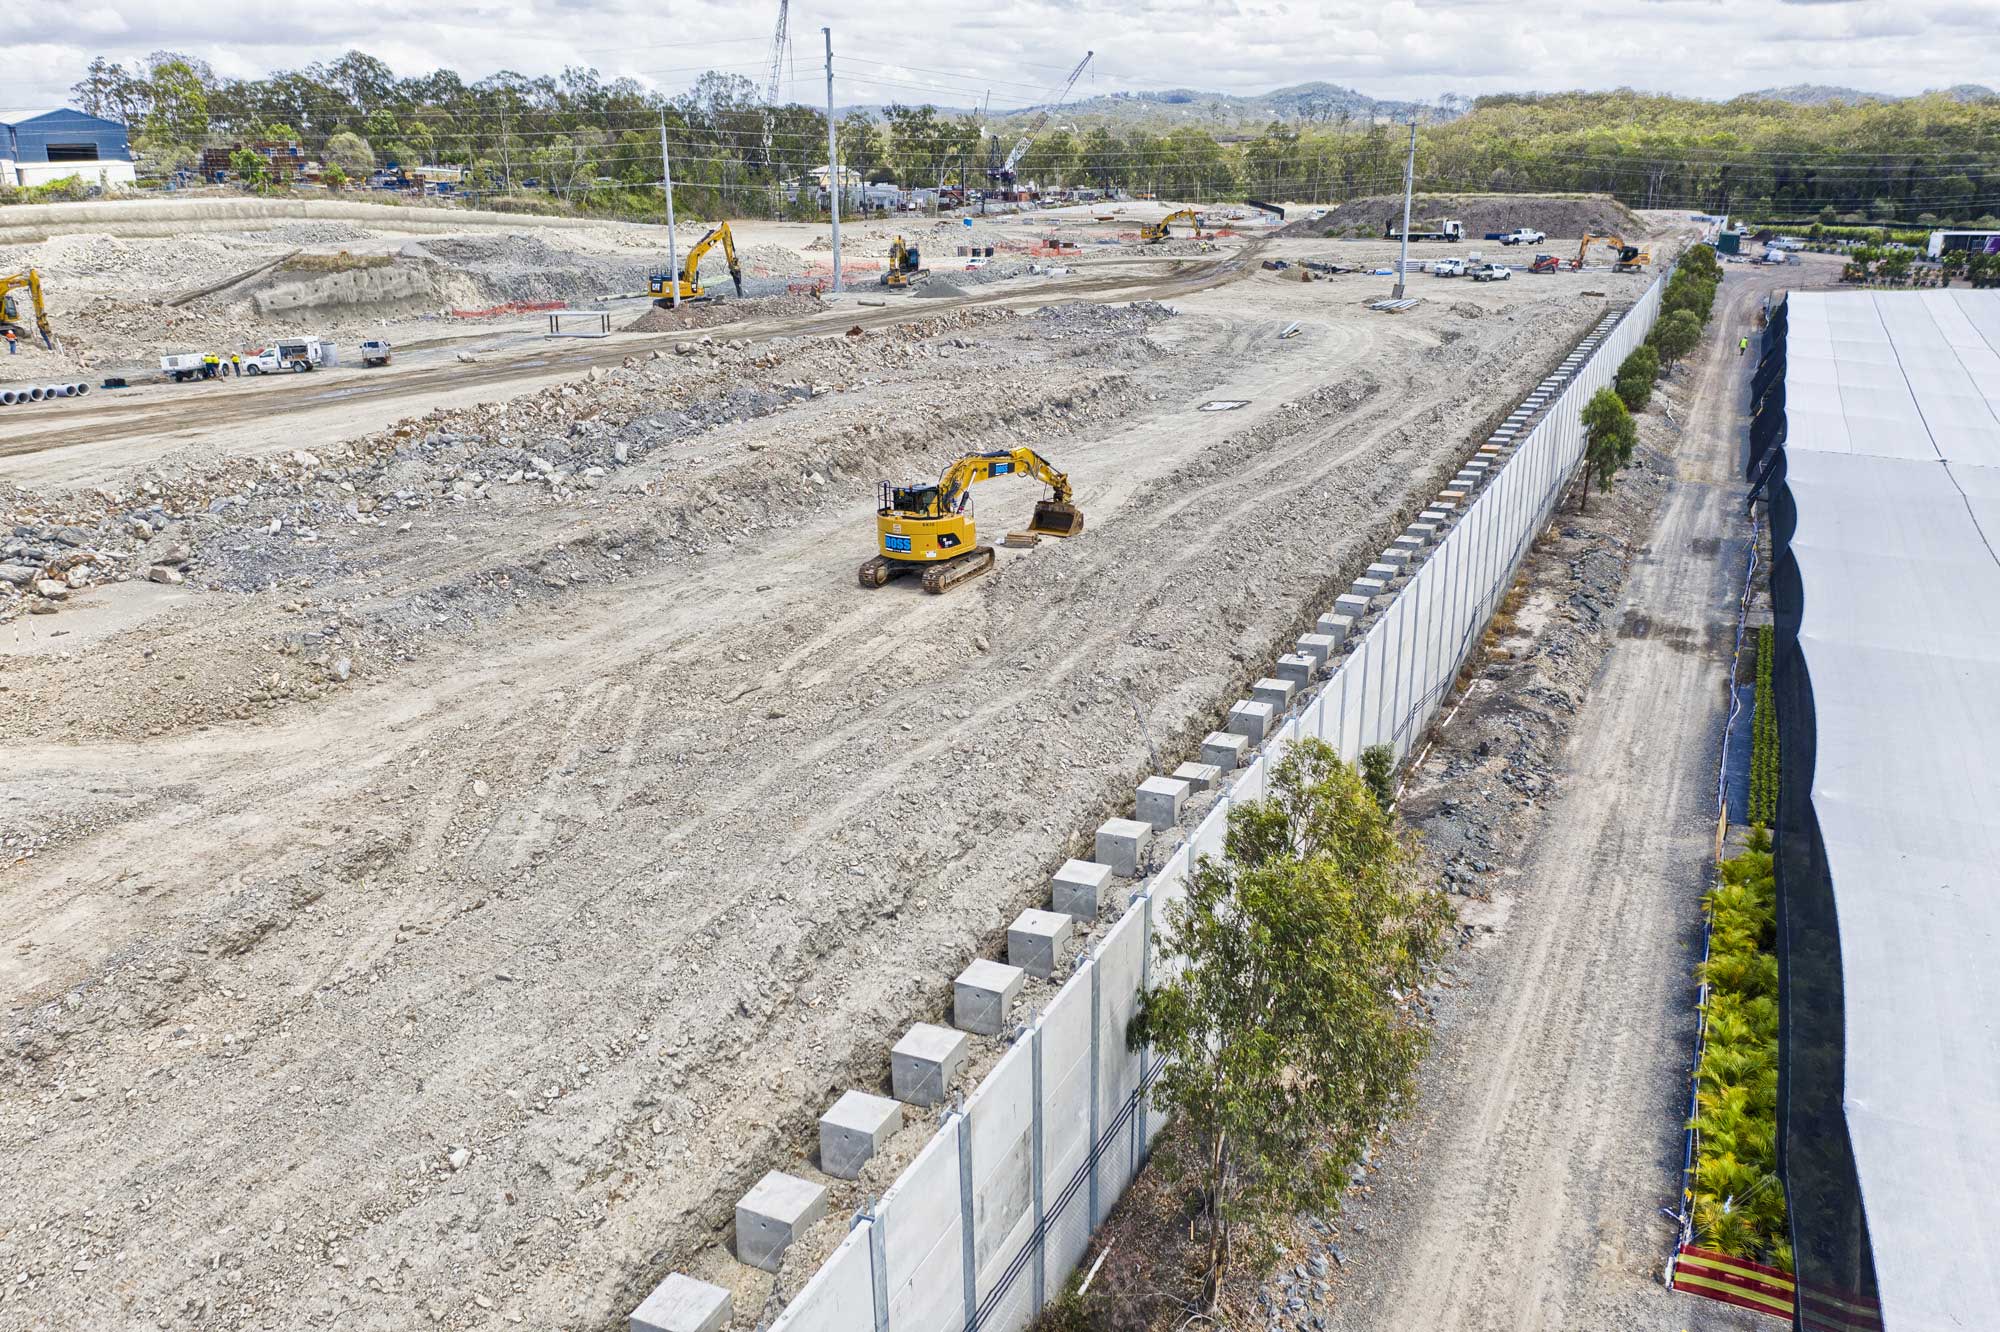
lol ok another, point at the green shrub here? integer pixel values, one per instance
(1378, 773)
(1764, 738)
(1636, 373)
(1737, 1197)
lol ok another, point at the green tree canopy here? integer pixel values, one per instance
(1285, 1034)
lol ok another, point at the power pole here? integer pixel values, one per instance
(1409, 186)
(506, 157)
(832, 159)
(667, 184)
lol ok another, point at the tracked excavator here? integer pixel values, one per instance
(31, 282)
(905, 267)
(662, 283)
(928, 529)
(1630, 257)
(1154, 232)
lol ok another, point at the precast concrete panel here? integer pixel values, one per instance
(1209, 836)
(841, 1295)
(1250, 785)
(923, 1242)
(1000, 1120)
(1120, 958)
(1066, 1126)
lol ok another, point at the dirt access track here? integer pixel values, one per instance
(477, 984)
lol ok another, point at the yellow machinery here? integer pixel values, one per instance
(1630, 257)
(31, 282)
(929, 528)
(905, 266)
(662, 284)
(1154, 232)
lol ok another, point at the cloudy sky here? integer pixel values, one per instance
(1017, 48)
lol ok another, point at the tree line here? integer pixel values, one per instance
(1917, 161)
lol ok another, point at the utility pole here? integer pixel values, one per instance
(667, 184)
(1409, 186)
(832, 159)
(506, 157)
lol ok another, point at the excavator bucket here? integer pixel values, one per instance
(1057, 519)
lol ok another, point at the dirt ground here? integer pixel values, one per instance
(504, 830)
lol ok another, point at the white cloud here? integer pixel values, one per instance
(1396, 48)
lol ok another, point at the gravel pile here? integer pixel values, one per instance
(518, 267)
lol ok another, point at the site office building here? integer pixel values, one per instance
(36, 149)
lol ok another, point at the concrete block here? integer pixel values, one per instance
(1407, 545)
(1454, 496)
(1317, 646)
(1396, 558)
(1443, 506)
(1477, 464)
(1036, 939)
(1079, 886)
(682, 1304)
(1424, 532)
(1434, 516)
(1120, 843)
(982, 998)
(854, 1130)
(1370, 587)
(1277, 693)
(1351, 607)
(1251, 719)
(1297, 667)
(774, 1213)
(1201, 776)
(1159, 801)
(923, 1063)
(1339, 624)
(1224, 749)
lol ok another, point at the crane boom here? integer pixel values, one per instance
(1035, 126)
(777, 68)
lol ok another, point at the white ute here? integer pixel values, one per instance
(1523, 236)
(1490, 272)
(299, 356)
(1448, 267)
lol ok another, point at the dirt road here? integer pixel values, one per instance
(1549, 1137)
(88, 442)
(482, 987)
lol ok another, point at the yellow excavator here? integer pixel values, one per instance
(1154, 232)
(929, 528)
(905, 267)
(662, 283)
(1630, 258)
(31, 282)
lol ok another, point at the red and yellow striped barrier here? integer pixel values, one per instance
(1737, 1281)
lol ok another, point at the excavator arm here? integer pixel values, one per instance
(691, 271)
(1629, 256)
(31, 281)
(1053, 517)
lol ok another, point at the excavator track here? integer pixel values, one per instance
(878, 571)
(942, 578)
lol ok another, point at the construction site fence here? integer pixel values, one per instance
(985, 1226)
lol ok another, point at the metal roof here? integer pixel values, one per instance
(1892, 455)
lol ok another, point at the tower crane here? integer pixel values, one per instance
(1003, 175)
(777, 67)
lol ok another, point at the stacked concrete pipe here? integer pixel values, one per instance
(38, 392)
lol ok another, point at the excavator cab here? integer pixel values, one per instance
(905, 266)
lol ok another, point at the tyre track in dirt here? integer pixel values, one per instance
(626, 978)
(1527, 1195)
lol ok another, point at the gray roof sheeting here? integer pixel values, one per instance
(1893, 458)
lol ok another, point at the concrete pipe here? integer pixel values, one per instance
(65, 390)
(8, 398)
(82, 389)
(37, 394)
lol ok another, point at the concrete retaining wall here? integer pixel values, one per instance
(1008, 1193)
(28, 224)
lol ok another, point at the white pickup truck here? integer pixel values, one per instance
(300, 356)
(1489, 273)
(1448, 267)
(1523, 236)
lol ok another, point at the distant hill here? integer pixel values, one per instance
(1819, 94)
